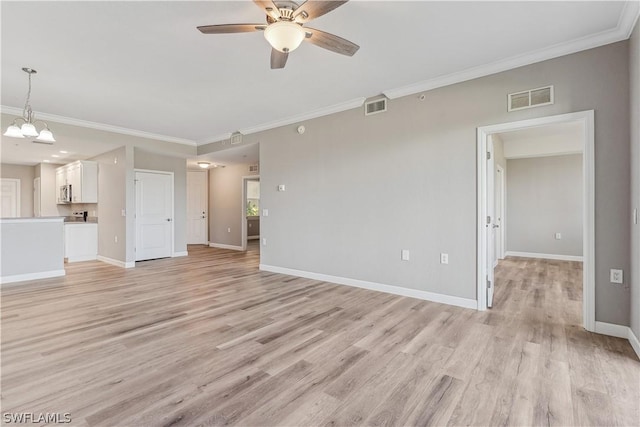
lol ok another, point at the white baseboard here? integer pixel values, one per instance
(83, 258)
(116, 262)
(619, 331)
(390, 289)
(221, 246)
(32, 276)
(635, 343)
(612, 330)
(182, 253)
(253, 237)
(544, 256)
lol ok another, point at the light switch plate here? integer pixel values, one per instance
(281, 187)
(265, 212)
(405, 255)
(444, 258)
(558, 236)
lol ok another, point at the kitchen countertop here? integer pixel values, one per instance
(79, 220)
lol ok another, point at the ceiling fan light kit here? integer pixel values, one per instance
(284, 36)
(28, 128)
(285, 31)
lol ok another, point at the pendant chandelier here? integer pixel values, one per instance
(28, 128)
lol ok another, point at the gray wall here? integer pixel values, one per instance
(111, 201)
(151, 161)
(544, 197)
(368, 183)
(225, 204)
(634, 68)
(25, 174)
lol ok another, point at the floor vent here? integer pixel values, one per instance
(236, 138)
(375, 107)
(531, 98)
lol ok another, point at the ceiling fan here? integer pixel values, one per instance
(285, 31)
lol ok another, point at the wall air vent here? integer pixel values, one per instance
(236, 138)
(375, 107)
(530, 98)
(254, 168)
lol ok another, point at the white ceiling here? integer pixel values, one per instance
(143, 66)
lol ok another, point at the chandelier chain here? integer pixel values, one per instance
(27, 113)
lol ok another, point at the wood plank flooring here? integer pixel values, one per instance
(210, 340)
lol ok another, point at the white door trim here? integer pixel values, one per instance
(243, 213)
(502, 231)
(588, 168)
(173, 208)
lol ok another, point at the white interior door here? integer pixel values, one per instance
(154, 215)
(197, 207)
(10, 196)
(37, 209)
(491, 238)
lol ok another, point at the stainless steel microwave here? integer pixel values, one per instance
(65, 194)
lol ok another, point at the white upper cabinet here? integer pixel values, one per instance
(82, 175)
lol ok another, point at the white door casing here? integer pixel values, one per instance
(586, 120)
(499, 195)
(197, 207)
(490, 220)
(10, 195)
(154, 214)
(243, 214)
(37, 208)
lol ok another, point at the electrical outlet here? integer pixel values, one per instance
(444, 258)
(281, 187)
(115, 239)
(229, 230)
(405, 255)
(264, 241)
(615, 276)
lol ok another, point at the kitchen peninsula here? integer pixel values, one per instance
(32, 248)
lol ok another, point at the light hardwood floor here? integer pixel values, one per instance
(208, 339)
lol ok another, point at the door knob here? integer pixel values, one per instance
(169, 219)
(496, 225)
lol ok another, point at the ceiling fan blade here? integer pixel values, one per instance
(231, 28)
(312, 9)
(331, 42)
(278, 59)
(269, 8)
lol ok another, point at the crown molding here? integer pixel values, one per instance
(218, 138)
(98, 126)
(325, 111)
(623, 30)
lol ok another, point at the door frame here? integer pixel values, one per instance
(586, 118)
(243, 213)
(173, 209)
(503, 217)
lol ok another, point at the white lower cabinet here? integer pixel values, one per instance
(80, 241)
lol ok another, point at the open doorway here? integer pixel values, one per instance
(533, 222)
(251, 212)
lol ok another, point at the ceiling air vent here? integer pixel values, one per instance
(531, 98)
(236, 138)
(375, 107)
(254, 168)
